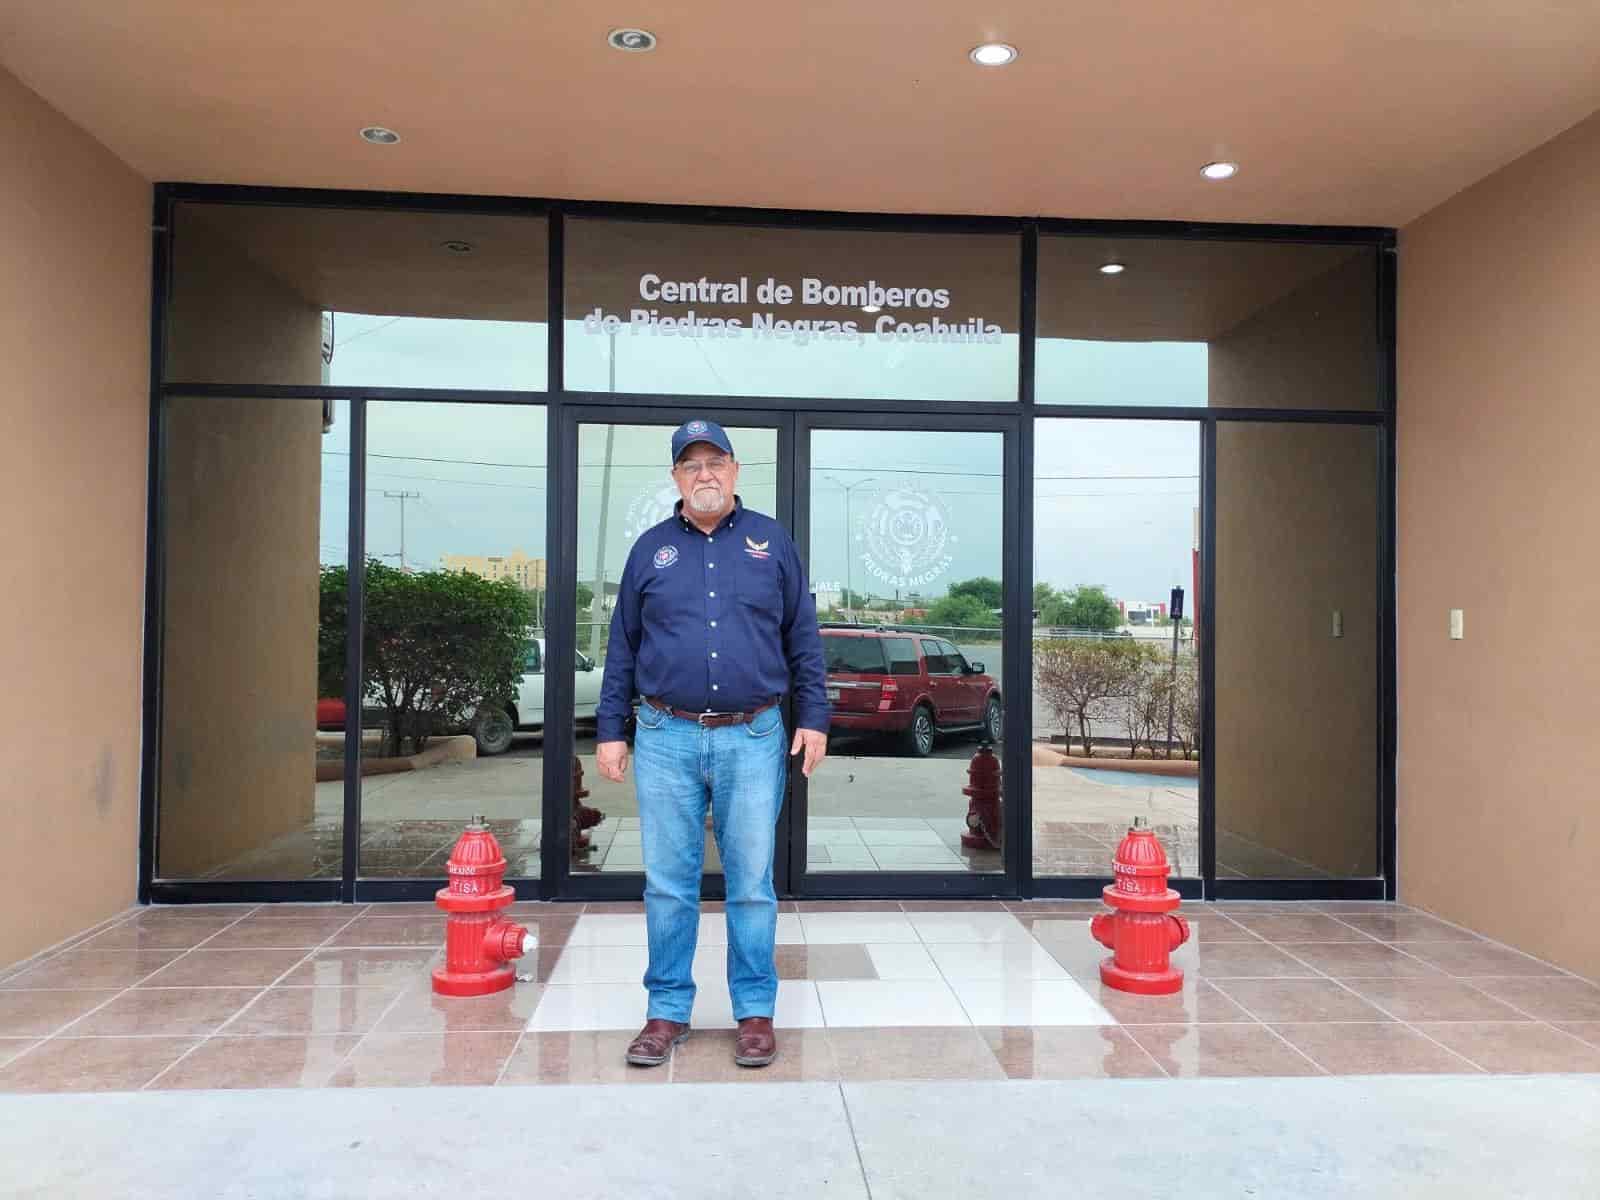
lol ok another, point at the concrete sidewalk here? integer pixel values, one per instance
(1306, 1139)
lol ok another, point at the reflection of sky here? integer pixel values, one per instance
(1114, 499)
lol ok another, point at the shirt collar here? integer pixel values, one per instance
(727, 522)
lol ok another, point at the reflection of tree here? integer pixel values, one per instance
(435, 644)
(1077, 676)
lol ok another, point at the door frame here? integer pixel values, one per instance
(1016, 841)
(557, 879)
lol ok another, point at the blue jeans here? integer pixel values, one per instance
(678, 766)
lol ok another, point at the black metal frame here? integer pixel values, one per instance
(794, 417)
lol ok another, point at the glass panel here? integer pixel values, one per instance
(1297, 650)
(280, 295)
(905, 539)
(1198, 324)
(454, 711)
(625, 487)
(256, 501)
(724, 310)
(1115, 676)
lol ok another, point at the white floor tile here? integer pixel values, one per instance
(902, 960)
(995, 960)
(600, 964)
(833, 837)
(1029, 1002)
(901, 837)
(589, 1006)
(889, 1002)
(797, 1006)
(609, 929)
(851, 856)
(836, 929)
(622, 854)
(889, 823)
(790, 931)
(970, 927)
(934, 857)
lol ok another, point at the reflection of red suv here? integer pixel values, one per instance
(887, 680)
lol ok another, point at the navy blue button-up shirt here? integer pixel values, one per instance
(718, 622)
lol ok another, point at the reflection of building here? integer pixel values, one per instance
(528, 573)
(1141, 612)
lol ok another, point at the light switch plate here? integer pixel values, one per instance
(1457, 627)
(1338, 623)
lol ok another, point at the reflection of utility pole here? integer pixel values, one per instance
(597, 602)
(403, 497)
(1175, 611)
(849, 550)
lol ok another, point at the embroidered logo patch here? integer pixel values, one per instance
(756, 549)
(695, 427)
(665, 557)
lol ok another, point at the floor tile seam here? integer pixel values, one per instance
(1245, 1008)
(54, 1034)
(1470, 981)
(510, 1058)
(1392, 1023)
(1420, 1032)
(76, 941)
(149, 1083)
(855, 1139)
(360, 1039)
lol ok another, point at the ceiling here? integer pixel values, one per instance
(1362, 112)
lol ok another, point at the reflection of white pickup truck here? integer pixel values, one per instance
(492, 725)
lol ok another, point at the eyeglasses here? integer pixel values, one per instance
(690, 467)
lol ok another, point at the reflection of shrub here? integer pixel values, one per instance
(1162, 690)
(1077, 676)
(1186, 710)
(435, 644)
(1144, 714)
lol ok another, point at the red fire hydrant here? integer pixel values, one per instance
(479, 945)
(583, 817)
(1144, 930)
(984, 806)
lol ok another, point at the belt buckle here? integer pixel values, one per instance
(701, 719)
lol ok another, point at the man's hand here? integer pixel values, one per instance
(814, 744)
(612, 759)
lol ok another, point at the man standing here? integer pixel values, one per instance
(714, 624)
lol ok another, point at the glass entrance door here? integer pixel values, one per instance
(905, 532)
(618, 486)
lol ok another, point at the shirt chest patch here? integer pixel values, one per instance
(665, 557)
(757, 549)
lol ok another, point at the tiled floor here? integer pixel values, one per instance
(316, 995)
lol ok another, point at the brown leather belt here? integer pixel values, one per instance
(711, 720)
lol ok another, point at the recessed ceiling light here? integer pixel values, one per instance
(1112, 268)
(872, 308)
(993, 54)
(1220, 170)
(379, 136)
(635, 41)
(455, 246)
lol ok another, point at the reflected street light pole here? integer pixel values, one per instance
(849, 551)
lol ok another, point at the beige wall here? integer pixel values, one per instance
(1296, 708)
(243, 492)
(74, 381)
(1499, 440)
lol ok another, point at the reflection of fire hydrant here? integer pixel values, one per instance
(1144, 930)
(478, 943)
(583, 817)
(984, 807)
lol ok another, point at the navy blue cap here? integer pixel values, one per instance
(690, 432)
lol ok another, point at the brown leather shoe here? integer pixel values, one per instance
(757, 1044)
(655, 1042)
